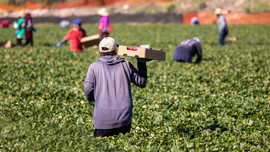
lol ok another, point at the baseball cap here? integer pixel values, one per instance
(107, 44)
(77, 21)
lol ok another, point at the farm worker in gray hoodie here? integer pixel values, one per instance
(187, 50)
(222, 26)
(108, 84)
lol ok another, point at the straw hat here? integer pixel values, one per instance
(21, 14)
(103, 12)
(218, 11)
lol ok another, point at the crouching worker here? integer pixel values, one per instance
(74, 35)
(108, 84)
(188, 49)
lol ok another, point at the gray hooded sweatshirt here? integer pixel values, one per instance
(108, 84)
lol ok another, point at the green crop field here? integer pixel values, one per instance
(221, 104)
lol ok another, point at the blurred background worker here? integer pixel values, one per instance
(194, 21)
(5, 24)
(104, 27)
(64, 23)
(74, 35)
(29, 28)
(187, 49)
(222, 26)
(20, 32)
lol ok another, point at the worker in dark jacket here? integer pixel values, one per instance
(187, 49)
(222, 26)
(29, 28)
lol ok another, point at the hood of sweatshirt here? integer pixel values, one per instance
(111, 60)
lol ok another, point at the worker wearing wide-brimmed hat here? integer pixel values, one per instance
(104, 27)
(20, 32)
(222, 26)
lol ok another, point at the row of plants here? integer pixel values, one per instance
(221, 104)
